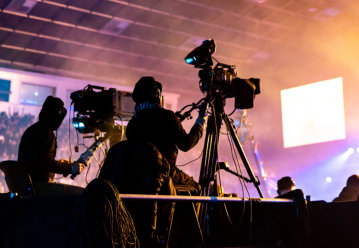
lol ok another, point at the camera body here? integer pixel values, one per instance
(98, 107)
(222, 79)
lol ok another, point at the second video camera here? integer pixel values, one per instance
(97, 108)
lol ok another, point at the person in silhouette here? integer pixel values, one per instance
(37, 151)
(351, 191)
(162, 128)
(285, 185)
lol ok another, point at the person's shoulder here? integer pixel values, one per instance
(169, 114)
(163, 112)
(40, 130)
(32, 128)
(167, 111)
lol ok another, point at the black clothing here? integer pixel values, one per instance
(52, 112)
(37, 151)
(163, 129)
(137, 167)
(147, 89)
(348, 193)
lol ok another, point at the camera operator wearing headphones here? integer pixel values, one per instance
(162, 128)
(37, 151)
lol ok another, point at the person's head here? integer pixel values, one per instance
(147, 89)
(285, 185)
(353, 182)
(52, 112)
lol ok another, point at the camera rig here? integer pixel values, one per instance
(222, 80)
(98, 107)
(218, 84)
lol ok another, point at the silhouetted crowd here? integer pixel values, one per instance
(11, 128)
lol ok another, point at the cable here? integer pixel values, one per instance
(181, 165)
(235, 158)
(70, 158)
(241, 182)
(234, 110)
(249, 196)
(100, 203)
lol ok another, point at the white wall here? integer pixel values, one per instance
(63, 87)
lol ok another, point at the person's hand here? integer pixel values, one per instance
(65, 164)
(77, 168)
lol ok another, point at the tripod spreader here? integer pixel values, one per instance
(225, 166)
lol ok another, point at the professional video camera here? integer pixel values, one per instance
(97, 108)
(222, 78)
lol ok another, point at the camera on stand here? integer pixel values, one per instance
(222, 80)
(97, 108)
(217, 84)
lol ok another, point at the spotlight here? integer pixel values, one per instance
(328, 179)
(350, 150)
(357, 149)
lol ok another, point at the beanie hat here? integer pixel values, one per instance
(147, 89)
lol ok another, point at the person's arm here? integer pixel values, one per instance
(46, 150)
(185, 141)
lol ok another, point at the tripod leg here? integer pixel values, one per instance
(238, 145)
(209, 164)
(210, 156)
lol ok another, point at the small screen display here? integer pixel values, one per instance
(127, 104)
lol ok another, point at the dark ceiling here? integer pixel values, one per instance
(118, 41)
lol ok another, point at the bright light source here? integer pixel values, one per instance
(357, 149)
(313, 113)
(190, 60)
(36, 93)
(328, 179)
(350, 150)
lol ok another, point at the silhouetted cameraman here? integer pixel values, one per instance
(37, 151)
(162, 128)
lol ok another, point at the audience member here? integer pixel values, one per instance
(285, 185)
(11, 128)
(351, 191)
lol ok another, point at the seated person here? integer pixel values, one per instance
(285, 185)
(37, 151)
(351, 191)
(162, 128)
(298, 234)
(137, 167)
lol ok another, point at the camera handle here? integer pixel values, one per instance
(86, 157)
(187, 114)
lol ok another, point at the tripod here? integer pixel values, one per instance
(210, 165)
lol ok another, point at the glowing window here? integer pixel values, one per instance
(4, 90)
(313, 113)
(33, 94)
